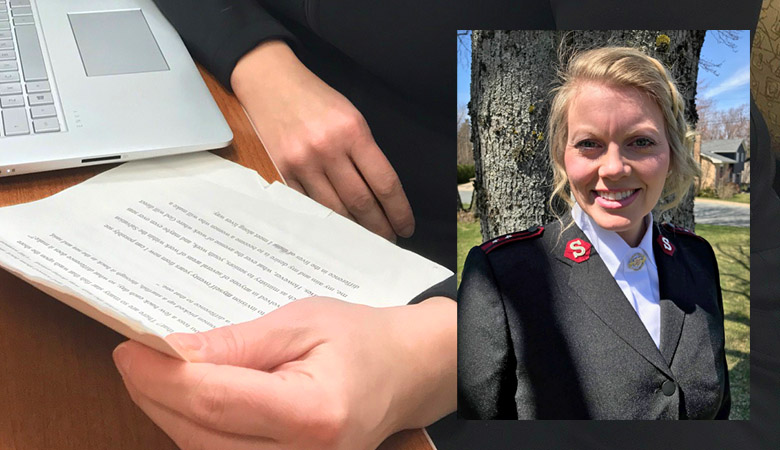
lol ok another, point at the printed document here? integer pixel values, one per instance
(193, 242)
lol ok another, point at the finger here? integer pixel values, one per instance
(384, 183)
(359, 199)
(319, 188)
(280, 336)
(225, 398)
(190, 435)
(293, 183)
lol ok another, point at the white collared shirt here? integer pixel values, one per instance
(638, 281)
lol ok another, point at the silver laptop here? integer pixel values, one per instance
(87, 82)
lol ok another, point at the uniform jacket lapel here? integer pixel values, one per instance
(592, 283)
(674, 280)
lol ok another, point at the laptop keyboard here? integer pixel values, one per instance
(26, 100)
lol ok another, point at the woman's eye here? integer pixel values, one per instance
(643, 142)
(587, 143)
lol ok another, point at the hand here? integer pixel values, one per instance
(320, 143)
(317, 373)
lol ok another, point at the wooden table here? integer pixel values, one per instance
(59, 388)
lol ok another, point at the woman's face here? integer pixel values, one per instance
(616, 156)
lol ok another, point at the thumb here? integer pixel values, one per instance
(261, 344)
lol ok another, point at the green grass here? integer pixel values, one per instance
(742, 197)
(468, 236)
(732, 249)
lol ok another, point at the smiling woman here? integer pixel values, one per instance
(603, 314)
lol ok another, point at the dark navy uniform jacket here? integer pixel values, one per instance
(541, 336)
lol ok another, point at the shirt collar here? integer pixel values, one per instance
(612, 248)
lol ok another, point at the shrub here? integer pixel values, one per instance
(707, 192)
(727, 190)
(465, 173)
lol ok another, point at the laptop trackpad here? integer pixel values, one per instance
(116, 42)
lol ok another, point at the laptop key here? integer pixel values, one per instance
(9, 77)
(6, 55)
(24, 20)
(46, 125)
(3, 15)
(15, 122)
(6, 45)
(6, 66)
(15, 3)
(40, 112)
(35, 87)
(30, 54)
(5, 35)
(21, 11)
(40, 99)
(10, 88)
(5, 25)
(11, 101)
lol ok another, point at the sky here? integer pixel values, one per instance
(728, 89)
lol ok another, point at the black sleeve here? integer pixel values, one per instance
(446, 288)
(486, 362)
(219, 32)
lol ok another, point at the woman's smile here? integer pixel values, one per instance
(615, 199)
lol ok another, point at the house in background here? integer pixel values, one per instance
(722, 159)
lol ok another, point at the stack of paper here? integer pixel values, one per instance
(190, 243)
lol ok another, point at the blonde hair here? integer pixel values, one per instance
(623, 67)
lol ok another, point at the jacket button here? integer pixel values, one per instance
(668, 388)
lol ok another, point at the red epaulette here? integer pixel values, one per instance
(680, 230)
(493, 244)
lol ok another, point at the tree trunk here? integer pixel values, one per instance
(512, 73)
(510, 81)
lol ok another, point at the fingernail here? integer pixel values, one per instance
(407, 231)
(185, 341)
(122, 359)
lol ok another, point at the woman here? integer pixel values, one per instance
(603, 314)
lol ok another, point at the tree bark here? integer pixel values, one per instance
(512, 73)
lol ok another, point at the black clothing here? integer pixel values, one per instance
(542, 336)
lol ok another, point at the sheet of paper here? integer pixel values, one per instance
(194, 242)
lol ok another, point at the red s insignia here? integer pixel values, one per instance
(577, 250)
(666, 246)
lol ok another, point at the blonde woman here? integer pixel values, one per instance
(604, 314)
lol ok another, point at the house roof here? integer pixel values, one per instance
(717, 159)
(712, 150)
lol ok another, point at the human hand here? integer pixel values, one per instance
(319, 141)
(317, 373)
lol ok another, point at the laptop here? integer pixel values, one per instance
(86, 82)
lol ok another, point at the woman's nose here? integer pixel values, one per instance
(613, 164)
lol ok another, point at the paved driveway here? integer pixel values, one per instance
(466, 191)
(718, 212)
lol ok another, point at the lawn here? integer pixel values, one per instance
(742, 197)
(468, 236)
(732, 249)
